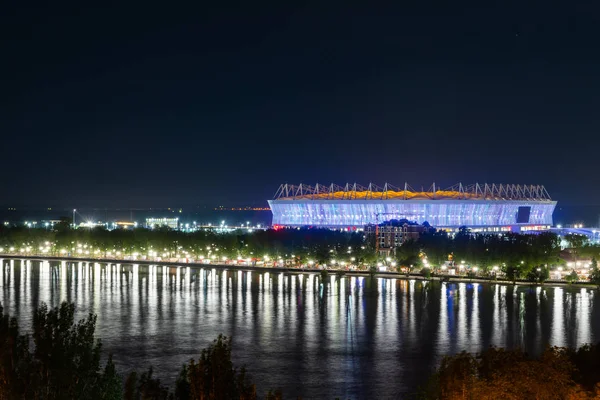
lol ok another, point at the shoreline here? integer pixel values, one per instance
(379, 274)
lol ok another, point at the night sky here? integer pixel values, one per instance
(144, 106)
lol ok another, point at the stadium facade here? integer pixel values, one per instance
(481, 207)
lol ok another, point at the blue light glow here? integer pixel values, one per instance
(440, 213)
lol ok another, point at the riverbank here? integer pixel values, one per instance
(294, 270)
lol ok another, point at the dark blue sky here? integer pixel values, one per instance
(137, 106)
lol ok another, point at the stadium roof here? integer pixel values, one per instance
(459, 191)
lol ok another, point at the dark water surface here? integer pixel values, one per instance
(352, 338)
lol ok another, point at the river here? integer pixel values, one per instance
(352, 337)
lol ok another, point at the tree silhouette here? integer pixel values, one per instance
(213, 376)
(65, 362)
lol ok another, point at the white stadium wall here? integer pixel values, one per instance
(438, 213)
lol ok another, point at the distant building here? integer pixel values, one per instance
(172, 223)
(389, 236)
(481, 207)
(125, 224)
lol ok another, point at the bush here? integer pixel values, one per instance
(426, 272)
(507, 374)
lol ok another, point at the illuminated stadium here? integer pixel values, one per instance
(482, 207)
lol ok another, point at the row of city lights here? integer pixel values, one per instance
(86, 249)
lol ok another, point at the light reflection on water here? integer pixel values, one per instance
(351, 337)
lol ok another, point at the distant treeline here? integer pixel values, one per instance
(517, 255)
(319, 245)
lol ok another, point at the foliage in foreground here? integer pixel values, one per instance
(559, 373)
(213, 376)
(65, 362)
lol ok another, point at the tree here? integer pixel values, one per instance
(407, 255)
(14, 358)
(65, 362)
(594, 276)
(109, 386)
(147, 387)
(512, 273)
(64, 224)
(538, 275)
(576, 241)
(213, 376)
(572, 277)
(426, 272)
